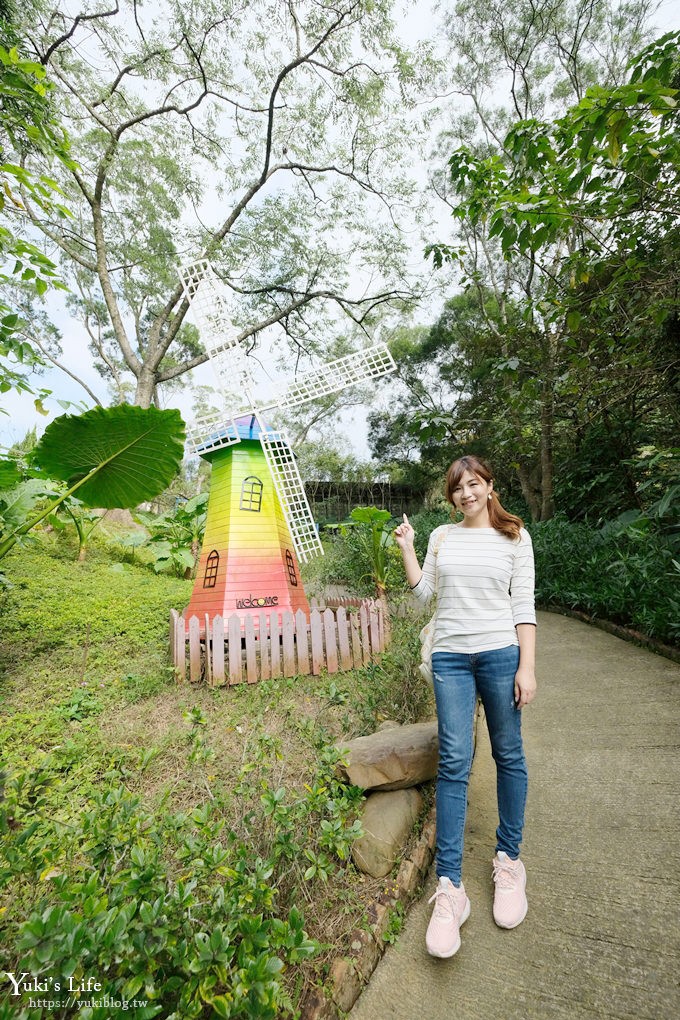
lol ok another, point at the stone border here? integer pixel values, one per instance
(349, 974)
(618, 630)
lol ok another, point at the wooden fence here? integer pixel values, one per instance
(259, 647)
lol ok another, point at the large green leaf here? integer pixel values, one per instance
(112, 457)
(19, 502)
(10, 474)
(131, 453)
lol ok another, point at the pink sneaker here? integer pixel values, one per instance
(451, 909)
(510, 899)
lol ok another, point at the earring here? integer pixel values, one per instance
(489, 496)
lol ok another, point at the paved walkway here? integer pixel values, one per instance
(602, 850)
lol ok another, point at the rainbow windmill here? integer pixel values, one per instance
(259, 524)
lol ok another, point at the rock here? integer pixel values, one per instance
(393, 759)
(389, 724)
(387, 821)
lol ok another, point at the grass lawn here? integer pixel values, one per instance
(186, 847)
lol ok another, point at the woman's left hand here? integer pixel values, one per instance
(525, 686)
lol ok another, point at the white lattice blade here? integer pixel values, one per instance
(212, 432)
(336, 375)
(292, 496)
(207, 297)
(233, 374)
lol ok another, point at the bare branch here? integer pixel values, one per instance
(130, 69)
(78, 19)
(63, 368)
(288, 69)
(281, 314)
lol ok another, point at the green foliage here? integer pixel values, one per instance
(375, 537)
(396, 924)
(201, 941)
(175, 537)
(395, 688)
(27, 123)
(116, 456)
(304, 831)
(18, 502)
(362, 554)
(84, 521)
(195, 76)
(605, 174)
(10, 474)
(113, 457)
(565, 204)
(626, 572)
(166, 846)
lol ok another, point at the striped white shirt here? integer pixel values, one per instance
(484, 584)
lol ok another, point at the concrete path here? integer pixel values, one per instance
(602, 851)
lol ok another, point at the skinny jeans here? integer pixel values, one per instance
(458, 679)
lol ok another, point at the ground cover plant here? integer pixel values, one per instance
(183, 847)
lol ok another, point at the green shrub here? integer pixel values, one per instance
(424, 524)
(626, 572)
(348, 563)
(140, 890)
(190, 916)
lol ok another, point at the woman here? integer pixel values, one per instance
(482, 571)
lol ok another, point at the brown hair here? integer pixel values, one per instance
(508, 524)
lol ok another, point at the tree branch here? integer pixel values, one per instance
(77, 20)
(63, 368)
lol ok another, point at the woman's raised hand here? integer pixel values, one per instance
(404, 534)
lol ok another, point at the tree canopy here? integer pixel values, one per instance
(266, 137)
(28, 126)
(566, 234)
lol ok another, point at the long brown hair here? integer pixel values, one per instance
(499, 518)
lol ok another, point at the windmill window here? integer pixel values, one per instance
(251, 494)
(210, 576)
(290, 563)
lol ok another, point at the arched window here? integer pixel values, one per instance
(290, 563)
(210, 576)
(251, 494)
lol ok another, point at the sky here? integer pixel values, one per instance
(21, 414)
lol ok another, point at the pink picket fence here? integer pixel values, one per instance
(347, 635)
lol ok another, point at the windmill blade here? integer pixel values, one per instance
(232, 370)
(212, 432)
(292, 496)
(207, 297)
(336, 375)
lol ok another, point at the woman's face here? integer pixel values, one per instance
(471, 495)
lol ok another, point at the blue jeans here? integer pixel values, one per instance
(458, 678)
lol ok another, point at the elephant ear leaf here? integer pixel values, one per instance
(114, 456)
(10, 475)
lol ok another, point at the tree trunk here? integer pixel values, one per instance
(146, 385)
(547, 487)
(529, 492)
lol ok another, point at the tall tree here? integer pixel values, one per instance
(461, 394)
(266, 137)
(539, 56)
